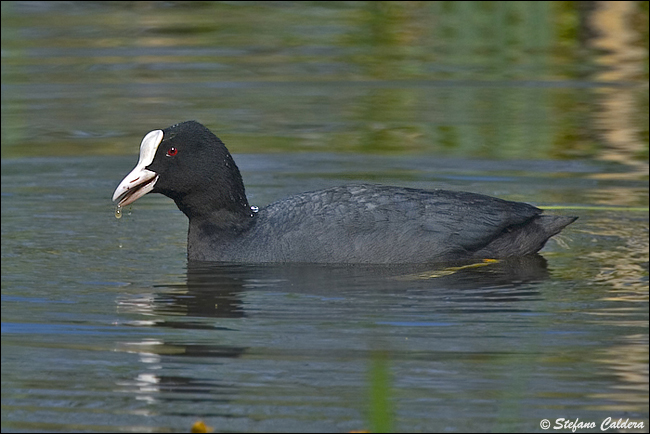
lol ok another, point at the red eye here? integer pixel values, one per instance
(172, 151)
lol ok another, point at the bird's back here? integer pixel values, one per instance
(382, 224)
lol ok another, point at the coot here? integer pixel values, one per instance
(358, 223)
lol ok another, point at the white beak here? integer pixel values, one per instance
(140, 181)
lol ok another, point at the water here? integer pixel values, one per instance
(105, 326)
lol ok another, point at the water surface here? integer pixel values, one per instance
(105, 326)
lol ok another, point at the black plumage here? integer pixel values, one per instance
(349, 224)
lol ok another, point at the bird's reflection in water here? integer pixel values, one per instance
(215, 297)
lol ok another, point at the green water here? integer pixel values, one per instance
(104, 325)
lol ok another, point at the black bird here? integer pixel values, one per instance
(359, 223)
